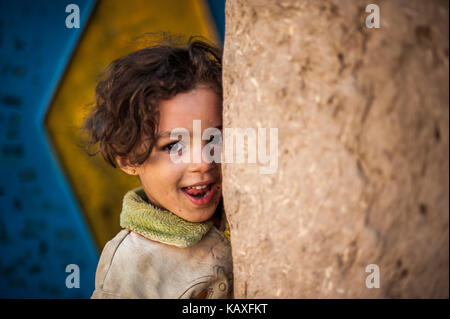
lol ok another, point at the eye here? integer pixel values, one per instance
(174, 147)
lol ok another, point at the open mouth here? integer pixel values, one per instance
(199, 195)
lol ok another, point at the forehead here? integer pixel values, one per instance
(199, 104)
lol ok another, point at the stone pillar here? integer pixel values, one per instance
(363, 148)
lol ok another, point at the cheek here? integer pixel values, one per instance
(164, 175)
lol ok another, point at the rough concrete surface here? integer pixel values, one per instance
(363, 143)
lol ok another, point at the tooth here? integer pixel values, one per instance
(197, 187)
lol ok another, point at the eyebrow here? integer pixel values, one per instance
(167, 133)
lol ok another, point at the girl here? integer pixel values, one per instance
(175, 239)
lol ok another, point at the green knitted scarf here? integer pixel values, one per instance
(161, 225)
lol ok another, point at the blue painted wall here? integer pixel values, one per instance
(217, 8)
(41, 227)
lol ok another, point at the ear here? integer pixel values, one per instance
(124, 166)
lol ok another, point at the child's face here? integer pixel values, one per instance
(164, 181)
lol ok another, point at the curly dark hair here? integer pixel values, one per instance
(126, 112)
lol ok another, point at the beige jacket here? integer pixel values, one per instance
(133, 266)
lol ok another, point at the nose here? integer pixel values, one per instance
(199, 163)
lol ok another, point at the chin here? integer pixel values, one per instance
(198, 218)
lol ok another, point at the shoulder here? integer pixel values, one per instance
(132, 266)
(107, 256)
(128, 267)
(106, 259)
